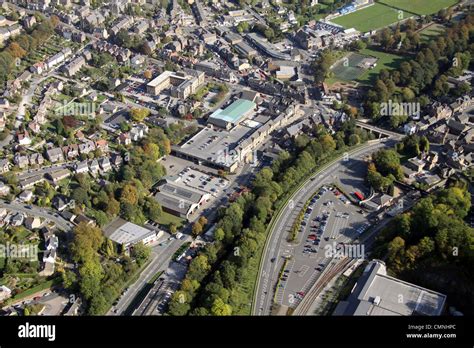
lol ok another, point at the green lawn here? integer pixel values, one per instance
(373, 17)
(385, 61)
(431, 32)
(166, 219)
(420, 7)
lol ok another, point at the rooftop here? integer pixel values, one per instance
(234, 111)
(124, 232)
(210, 144)
(376, 293)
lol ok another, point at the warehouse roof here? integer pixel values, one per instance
(124, 232)
(234, 111)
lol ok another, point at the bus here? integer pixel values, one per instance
(359, 195)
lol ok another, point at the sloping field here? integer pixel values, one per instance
(373, 17)
(419, 7)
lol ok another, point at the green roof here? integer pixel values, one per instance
(234, 111)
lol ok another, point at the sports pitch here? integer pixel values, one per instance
(420, 7)
(373, 17)
(348, 69)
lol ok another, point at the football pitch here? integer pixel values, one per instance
(419, 7)
(370, 18)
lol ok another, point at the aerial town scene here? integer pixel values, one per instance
(236, 158)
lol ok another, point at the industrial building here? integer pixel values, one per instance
(377, 293)
(179, 200)
(128, 234)
(236, 112)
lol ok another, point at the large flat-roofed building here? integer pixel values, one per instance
(182, 84)
(215, 148)
(226, 149)
(376, 293)
(230, 116)
(179, 200)
(128, 234)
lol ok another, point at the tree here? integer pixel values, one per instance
(87, 240)
(141, 252)
(139, 114)
(91, 274)
(80, 196)
(387, 162)
(148, 74)
(197, 229)
(129, 194)
(178, 305)
(173, 228)
(98, 305)
(153, 209)
(396, 252)
(220, 308)
(152, 151)
(219, 234)
(199, 268)
(113, 207)
(203, 221)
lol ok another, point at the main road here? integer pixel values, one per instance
(161, 257)
(349, 172)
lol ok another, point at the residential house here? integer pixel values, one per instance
(23, 138)
(4, 189)
(17, 219)
(102, 145)
(104, 164)
(54, 155)
(81, 167)
(36, 159)
(58, 175)
(94, 166)
(26, 196)
(86, 147)
(21, 161)
(31, 181)
(71, 151)
(34, 127)
(5, 166)
(60, 202)
(124, 139)
(409, 128)
(32, 222)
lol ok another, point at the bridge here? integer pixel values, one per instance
(379, 131)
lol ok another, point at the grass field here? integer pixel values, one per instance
(385, 61)
(349, 71)
(373, 17)
(431, 32)
(166, 219)
(420, 7)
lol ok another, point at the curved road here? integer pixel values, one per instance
(349, 172)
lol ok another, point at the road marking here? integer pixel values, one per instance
(303, 270)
